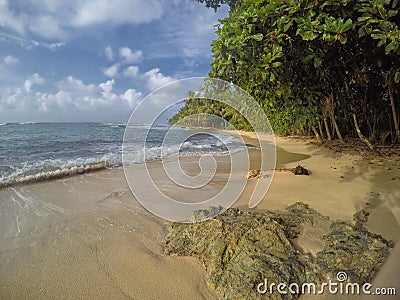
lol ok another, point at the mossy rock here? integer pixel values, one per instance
(240, 249)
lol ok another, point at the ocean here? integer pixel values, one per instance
(32, 152)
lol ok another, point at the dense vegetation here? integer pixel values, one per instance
(329, 68)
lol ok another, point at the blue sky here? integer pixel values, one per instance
(75, 60)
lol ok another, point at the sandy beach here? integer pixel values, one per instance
(339, 185)
(87, 237)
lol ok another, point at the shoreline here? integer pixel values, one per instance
(87, 235)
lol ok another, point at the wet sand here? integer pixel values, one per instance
(86, 237)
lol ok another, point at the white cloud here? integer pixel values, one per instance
(111, 71)
(33, 79)
(156, 79)
(109, 53)
(52, 46)
(133, 97)
(194, 40)
(47, 26)
(53, 19)
(27, 42)
(9, 59)
(107, 87)
(11, 19)
(117, 12)
(126, 56)
(131, 71)
(72, 99)
(75, 86)
(130, 57)
(188, 35)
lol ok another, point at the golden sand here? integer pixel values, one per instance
(86, 237)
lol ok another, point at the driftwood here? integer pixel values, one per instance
(299, 170)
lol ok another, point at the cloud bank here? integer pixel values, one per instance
(56, 20)
(73, 100)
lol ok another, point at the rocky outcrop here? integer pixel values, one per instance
(352, 249)
(240, 249)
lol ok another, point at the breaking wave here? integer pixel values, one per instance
(51, 151)
(50, 175)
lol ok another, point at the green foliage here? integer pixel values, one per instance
(197, 105)
(305, 60)
(384, 135)
(215, 4)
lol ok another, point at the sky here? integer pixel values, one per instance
(94, 60)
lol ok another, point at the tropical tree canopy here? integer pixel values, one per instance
(314, 66)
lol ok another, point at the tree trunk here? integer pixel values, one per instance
(330, 110)
(389, 85)
(321, 132)
(336, 127)
(395, 120)
(362, 137)
(317, 134)
(328, 133)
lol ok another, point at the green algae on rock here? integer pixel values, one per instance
(240, 249)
